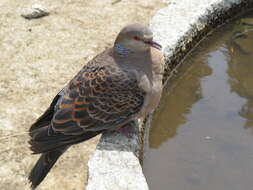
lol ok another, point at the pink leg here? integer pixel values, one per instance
(125, 130)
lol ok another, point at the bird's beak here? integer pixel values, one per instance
(154, 44)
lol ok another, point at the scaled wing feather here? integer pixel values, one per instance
(98, 98)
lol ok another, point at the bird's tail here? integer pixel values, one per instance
(43, 166)
(51, 145)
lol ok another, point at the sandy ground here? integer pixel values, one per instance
(37, 57)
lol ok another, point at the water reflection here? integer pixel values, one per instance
(240, 67)
(198, 139)
(177, 105)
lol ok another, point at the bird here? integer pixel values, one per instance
(121, 84)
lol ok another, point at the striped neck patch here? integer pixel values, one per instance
(121, 49)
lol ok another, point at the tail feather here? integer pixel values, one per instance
(52, 146)
(46, 117)
(43, 166)
(50, 143)
(42, 142)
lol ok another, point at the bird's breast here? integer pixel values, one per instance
(155, 94)
(153, 89)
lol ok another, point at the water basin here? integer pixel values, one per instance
(202, 135)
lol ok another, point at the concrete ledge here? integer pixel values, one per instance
(178, 28)
(115, 164)
(183, 23)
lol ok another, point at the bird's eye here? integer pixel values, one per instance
(136, 38)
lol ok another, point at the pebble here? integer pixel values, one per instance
(208, 138)
(36, 11)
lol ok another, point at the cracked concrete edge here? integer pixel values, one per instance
(178, 27)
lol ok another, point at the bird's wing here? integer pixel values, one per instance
(98, 98)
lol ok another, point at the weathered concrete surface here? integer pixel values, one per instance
(115, 164)
(177, 27)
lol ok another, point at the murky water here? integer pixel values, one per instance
(202, 135)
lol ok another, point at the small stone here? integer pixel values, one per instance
(208, 138)
(36, 11)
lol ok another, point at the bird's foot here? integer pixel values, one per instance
(125, 130)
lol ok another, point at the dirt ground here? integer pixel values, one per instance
(37, 57)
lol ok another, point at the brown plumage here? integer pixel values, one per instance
(121, 84)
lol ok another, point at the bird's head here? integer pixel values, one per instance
(136, 38)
